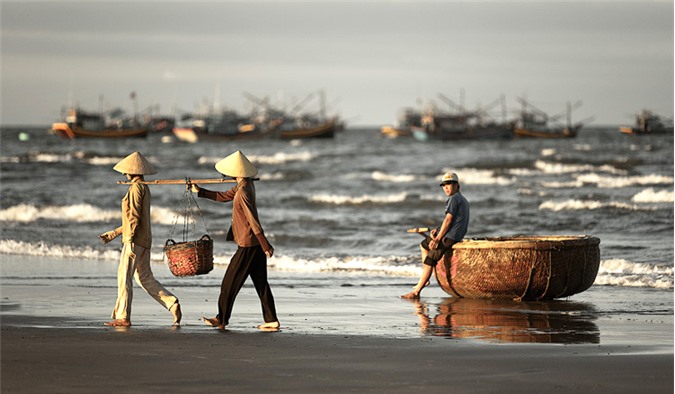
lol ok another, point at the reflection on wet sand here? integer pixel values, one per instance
(564, 322)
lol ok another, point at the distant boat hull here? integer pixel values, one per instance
(637, 131)
(393, 132)
(562, 133)
(496, 132)
(189, 135)
(326, 130)
(65, 131)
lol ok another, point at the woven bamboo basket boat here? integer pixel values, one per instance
(520, 268)
(190, 258)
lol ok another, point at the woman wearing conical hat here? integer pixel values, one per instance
(137, 240)
(253, 247)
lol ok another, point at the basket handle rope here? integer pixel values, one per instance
(186, 209)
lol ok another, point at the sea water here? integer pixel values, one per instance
(336, 211)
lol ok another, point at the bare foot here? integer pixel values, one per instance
(411, 296)
(270, 326)
(118, 323)
(213, 322)
(177, 314)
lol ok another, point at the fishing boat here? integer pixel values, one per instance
(535, 123)
(407, 119)
(648, 122)
(467, 126)
(294, 124)
(80, 124)
(458, 123)
(520, 267)
(226, 125)
(307, 127)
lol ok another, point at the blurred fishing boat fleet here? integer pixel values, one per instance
(449, 121)
(209, 123)
(455, 122)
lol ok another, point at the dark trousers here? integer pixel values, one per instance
(246, 261)
(435, 255)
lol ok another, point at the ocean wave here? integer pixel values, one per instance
(548, 152)
(365, 199)
(395, 178)
(78, 213)
(473, 176)
(78, 156)
(652, 196)
(11, 247)
(620, 272)
(612, 272)
(391, 266)
(618, 182)
(561, 168)
(277, 158)
(574, 205)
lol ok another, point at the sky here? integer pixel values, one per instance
(370, 58)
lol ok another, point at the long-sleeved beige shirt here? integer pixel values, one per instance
(246, 230)
(136, 225)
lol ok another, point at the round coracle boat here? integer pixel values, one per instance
(520, 267)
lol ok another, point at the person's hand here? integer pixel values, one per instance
(433, 244)
(433, 232)
(192, 187)
(265, 245)
(108, 236)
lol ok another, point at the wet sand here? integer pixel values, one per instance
(344, 338)
(44, 355)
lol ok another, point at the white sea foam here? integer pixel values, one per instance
(561, 168)
(277, 158)
(652, 196)
(350, 200)
(612, 272)
(77, 213)
(12, 247)
(583, 147)
(391, 266)
(396, 178)
(79, 156)
(473, 176)
(620, 272)
(572, 205)
(618, 182)
(548, 152)
(274, 176)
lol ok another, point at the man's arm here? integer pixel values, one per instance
(441, 233)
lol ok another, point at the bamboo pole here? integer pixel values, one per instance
(181, 181)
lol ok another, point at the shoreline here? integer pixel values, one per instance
(51, 358)
(338, 334)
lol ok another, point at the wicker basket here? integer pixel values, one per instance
(520, 268)
(190, 258)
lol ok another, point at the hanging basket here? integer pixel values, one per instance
(190, 258)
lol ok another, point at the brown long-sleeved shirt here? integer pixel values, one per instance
(246, 230)
(136, 226)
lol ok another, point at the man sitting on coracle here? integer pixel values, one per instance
(452, 230)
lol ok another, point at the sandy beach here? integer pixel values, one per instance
(333, 339)
(66, 360)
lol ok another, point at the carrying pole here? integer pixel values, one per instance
(181, 181)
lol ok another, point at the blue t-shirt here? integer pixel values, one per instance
(458, 207)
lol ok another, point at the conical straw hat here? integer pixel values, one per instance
(135, 164)
(236, 165)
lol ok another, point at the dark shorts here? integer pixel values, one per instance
(434, 256)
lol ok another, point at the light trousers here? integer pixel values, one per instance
(135, 263)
